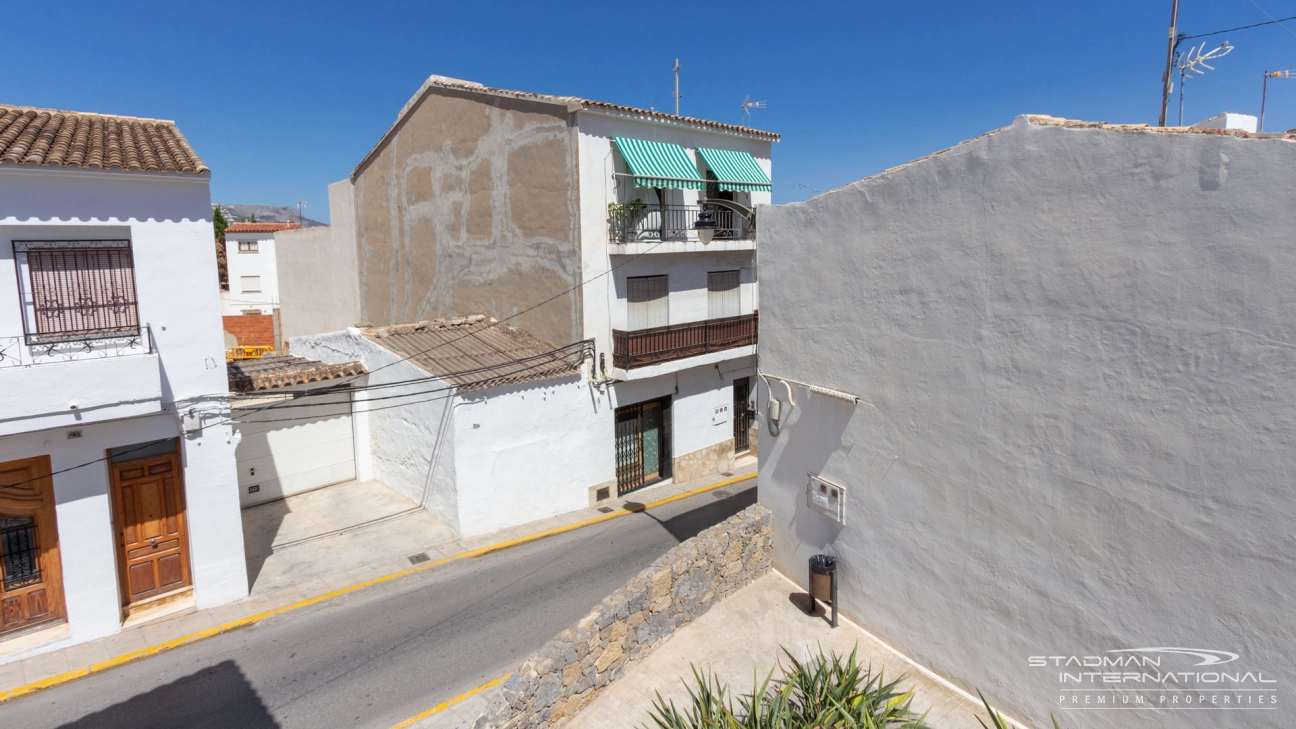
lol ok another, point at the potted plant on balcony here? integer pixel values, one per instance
(624, 217)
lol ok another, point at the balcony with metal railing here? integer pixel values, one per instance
(631, 223)
(646, 347)
(77, 378)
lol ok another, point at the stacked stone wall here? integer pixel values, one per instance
(675, 590)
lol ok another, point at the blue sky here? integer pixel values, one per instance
(281, 99)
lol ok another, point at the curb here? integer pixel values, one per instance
(62, 678)
(447, 704)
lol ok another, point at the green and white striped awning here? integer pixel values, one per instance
(656, 164)
(736, 170)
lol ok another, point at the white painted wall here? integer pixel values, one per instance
(408, 428)
(168, 220)
(530, 451)
(687, 281)
(261, 263)
(1079, 346)
(597, 162)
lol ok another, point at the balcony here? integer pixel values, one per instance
(680, 341)
(635, 224)
(72, 382)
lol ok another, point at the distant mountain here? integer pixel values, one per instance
(265, 214)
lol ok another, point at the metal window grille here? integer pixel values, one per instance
(19, 552)
(82, 293)
(629, 446)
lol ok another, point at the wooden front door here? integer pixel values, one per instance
(31, 576)
(153, 544)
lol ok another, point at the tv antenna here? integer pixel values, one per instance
(300, 204)
(747, 106)
(677, 94)
(1193, 62)
(1264, 91)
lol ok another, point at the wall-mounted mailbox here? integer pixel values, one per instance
(827, 498)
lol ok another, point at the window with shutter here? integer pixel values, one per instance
(722, 294)
(250, 284)
(79, 289)
(649, 299)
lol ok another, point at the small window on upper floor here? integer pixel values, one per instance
(723, 299)
(247, 246)
(250, 284)
(77, 290)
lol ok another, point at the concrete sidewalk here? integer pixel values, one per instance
(299, 569)
(743, 637)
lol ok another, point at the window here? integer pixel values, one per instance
(247, 246)
(250, 284)
(648, 302)
(77, 289)
(722, 294)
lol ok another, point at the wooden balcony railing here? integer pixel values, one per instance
(679, 341)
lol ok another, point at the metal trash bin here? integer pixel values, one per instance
(823, 581)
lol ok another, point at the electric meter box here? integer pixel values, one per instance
(827, 498)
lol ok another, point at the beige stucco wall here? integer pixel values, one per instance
(470, 206)
(317, 272)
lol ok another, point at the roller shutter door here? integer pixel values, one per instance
(288, 450)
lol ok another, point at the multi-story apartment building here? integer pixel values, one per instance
(250, 307)
(117, 497)
(572, 220)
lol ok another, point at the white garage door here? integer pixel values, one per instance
(304, 444)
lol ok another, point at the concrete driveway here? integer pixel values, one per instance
(334, 530)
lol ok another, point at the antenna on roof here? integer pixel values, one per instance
(300, 204)
(747, 106)
(677, 94)
(1193, 62)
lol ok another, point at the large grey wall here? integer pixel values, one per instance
(1078, 346)
(318, 284)
(470, 205)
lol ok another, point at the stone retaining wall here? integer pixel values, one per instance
(676, 589)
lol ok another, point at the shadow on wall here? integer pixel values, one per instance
(809, 436)
(216, 697)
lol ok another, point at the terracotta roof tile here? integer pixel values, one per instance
(260, 227)
(475, 351)
(51, 138)
(270, 373)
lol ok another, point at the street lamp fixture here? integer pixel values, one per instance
(706, 226)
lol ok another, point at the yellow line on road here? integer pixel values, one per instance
(153, 650)
(447, 704)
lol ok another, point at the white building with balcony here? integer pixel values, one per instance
(117, 498)
(575, 221)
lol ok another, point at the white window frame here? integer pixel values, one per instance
(243, 282)
(249, 246)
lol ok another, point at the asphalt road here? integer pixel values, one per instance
(383, 654)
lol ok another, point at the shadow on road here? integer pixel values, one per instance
(694, 521)
(221, 695)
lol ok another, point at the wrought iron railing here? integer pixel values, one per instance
(19, 552)
(679, 341)
(18, 352)
(628, 224)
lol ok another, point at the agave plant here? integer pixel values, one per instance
(997, 719)
(824, 692)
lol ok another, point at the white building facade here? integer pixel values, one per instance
(117, 503)
(574, 220)
(253, 271)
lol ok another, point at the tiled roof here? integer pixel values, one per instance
(260, 227)
(573, 103)
(269, 373)
(475, 351)
(51, 138)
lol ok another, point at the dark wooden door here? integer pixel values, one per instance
(643, 444)
(153, 544)
(742, 415)
(31, 580)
